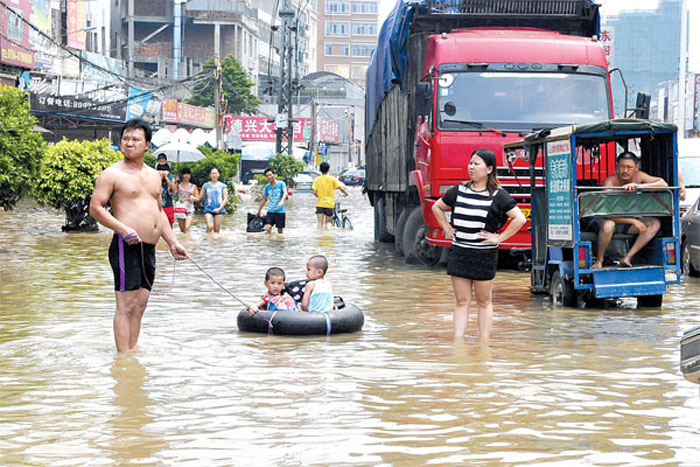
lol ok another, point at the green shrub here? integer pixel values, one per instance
(286, 167)
(67, 179)
(21, 148)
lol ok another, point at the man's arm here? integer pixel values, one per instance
(342, 189)
(284, 196)
(176, 249)
(648, 181)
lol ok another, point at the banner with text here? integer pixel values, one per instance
(263, 128)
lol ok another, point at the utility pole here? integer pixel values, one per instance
(312, 138)
(683, 69)
(218, 85)
(130, 37)
(284, 124)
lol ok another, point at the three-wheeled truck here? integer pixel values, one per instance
(576, 160)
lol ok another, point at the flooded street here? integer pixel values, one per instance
(554, 386)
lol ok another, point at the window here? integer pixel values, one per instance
(338, 50)
(359, 72)
(14, 24)
(363, 50)
(337, 7)
(340, 70)
(334, 28)
(364, 29)
(366, 8)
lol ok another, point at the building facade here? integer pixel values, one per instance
(347, 37)
(646, 49)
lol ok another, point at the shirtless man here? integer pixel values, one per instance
(628, 176)
(134, 191)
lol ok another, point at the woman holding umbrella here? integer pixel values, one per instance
(215, 194)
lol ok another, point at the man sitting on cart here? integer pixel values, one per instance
(628, 176)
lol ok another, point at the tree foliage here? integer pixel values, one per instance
(225, 162)
(286, 167)
(21, 148)
(236, 88)
(67, 178)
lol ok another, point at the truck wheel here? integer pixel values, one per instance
(650, 301)
(561, 291)
(400, 225)
(380, 232)
(415, 248)
(686, 264)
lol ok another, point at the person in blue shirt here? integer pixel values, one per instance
(276, 192)
(215, 194)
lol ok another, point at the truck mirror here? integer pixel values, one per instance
(642, 107)
(424, 98)
(450, 108)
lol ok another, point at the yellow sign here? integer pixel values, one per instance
(526, 212)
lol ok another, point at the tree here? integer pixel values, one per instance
(68, 173)
(236, 86)
(286, 167)
(21, 148)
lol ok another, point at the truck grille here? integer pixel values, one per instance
(509, 7)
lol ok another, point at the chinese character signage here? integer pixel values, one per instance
(76, 18)
(179, 112)
(15, 45)
(97, 101)
(263, 128)
(607, 38)
(559, 196)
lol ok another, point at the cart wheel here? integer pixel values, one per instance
(649, 301)
(561, 291)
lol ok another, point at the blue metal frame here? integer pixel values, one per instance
(609, 282)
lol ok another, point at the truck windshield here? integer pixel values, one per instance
(520, 100)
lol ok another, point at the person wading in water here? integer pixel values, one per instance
(137, 218)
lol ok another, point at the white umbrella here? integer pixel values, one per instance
(180, 152)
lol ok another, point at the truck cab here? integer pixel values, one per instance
(491, 86)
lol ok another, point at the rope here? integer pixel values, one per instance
(217, 283)
(269, 323)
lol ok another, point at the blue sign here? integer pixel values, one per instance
(559, 196)
(322, 148)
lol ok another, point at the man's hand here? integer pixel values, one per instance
(280, 204)
(252, 309)
(132, 237)
(178, 251)
(630, 186)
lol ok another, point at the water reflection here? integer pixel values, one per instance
(133, 441)
(552, 386)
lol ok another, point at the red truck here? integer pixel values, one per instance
(452, 76)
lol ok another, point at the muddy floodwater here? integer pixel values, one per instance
(552, 387)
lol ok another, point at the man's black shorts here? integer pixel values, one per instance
(276, 218)
(134, 266)
(594, 224)
(325, 211)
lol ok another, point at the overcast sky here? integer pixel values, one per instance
(612, 7)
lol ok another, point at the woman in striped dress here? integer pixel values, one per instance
(480, 208)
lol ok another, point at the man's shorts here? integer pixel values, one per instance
(325, 211)
(276, 218)
(134, 266)
(170, 212)
(594, 224)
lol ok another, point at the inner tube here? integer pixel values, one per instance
(301, 323)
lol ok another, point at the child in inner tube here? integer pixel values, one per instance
(276, 299)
